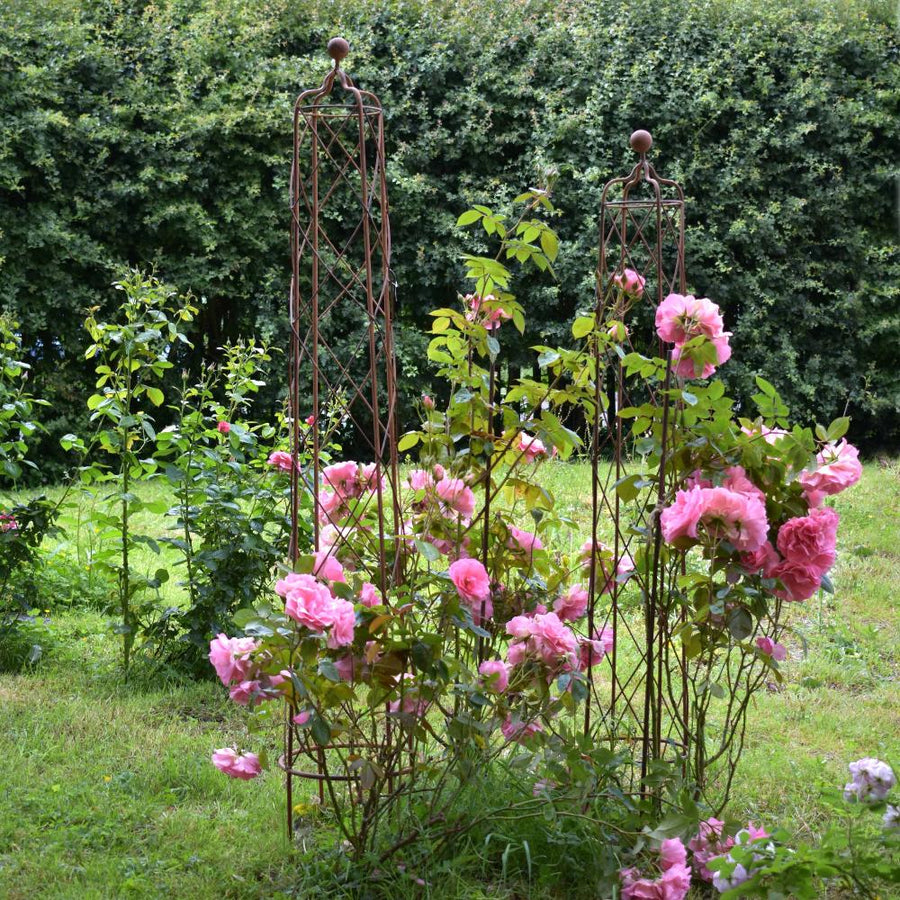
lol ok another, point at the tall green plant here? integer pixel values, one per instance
(231, 504)
(131, 355)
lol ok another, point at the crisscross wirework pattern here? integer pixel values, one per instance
(642, 229)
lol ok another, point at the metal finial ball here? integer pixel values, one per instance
(338, 48)
(641, 141)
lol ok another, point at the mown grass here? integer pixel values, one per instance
(107, 790)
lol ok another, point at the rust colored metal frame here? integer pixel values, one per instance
(341, 284)
(641, 228)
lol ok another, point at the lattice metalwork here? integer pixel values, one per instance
(342, 361)
(642, 702)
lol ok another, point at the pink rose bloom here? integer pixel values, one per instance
(810, 540)
(592, 651)
(343, 621)
(554, 643)
(696, 479)
(523, 541)
(680, 520)
(519, 731)
(724, 514)
(348, 667)
(282, 460)
(330, 506)
(838, 468)
(223, 427)
(777, 651)
(311, 420)
(411, 702)
(230, 657)
(341, 477)
(246, 691)
(673, 884)
(368, 475)
(800, 580)
(471, 580)
(520, 627)
(685, 365)
(457, 495)
(672, 853)
(531, 447)
(680, 318)
(630, 282)
(427, 401)
(495, 675)
(238, 765)
(327, 567)
(736, 480)
(764, 559)
(572, 605)
(420, 479)
(478, 308)
(312, 605)
(707, 844)
(369, 596)
(301, 718)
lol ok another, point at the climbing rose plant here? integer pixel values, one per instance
(482, 652)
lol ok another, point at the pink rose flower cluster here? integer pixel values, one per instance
(673, 883)
(452, 498)
(8, 522)
(871, 780)
(312, 605)
(724, 514)
(806, 551)
(680, 319)
(347, 481)
(545, 639)
(238, 670)
(838, 468)
(709, 843)
(485, 310)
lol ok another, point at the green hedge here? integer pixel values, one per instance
(139, 133)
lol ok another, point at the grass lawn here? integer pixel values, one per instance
(107, 790)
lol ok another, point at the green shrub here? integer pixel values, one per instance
(160, 133)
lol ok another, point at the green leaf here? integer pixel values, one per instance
(838, 428)
(155, 395)
(429, 551)
(740, 623)
(582, 326)
(409, 440)
(468, 217)
(766, 387)
(549, 244)
(547, 358)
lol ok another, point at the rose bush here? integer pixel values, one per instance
(482, 643)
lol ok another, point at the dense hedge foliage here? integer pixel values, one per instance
(159, 133)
